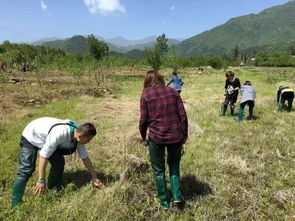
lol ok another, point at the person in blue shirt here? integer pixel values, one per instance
(177, 82)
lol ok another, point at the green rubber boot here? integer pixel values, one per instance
(18, 191)
(162, 192)
(281, 107)
(223, 109)
(240, 115)
(175, 188)
(232, 110)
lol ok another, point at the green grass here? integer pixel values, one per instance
(230, 170)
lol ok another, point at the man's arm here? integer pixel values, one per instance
(181, 82)
(169, 82)
(238, 84)
(41, 183)
(225, 88)
(88, 164)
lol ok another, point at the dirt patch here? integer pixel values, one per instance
(17, 98)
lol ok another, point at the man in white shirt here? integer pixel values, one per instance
(54, 138)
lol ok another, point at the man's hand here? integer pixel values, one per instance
(96, 182)
(40, 188)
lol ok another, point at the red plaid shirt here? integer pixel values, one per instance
(162, 111)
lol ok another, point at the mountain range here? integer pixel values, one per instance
(117, 44)
(272, 29)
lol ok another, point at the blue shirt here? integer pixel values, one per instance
(177, 82)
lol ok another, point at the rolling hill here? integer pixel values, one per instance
(271, 30)
(78, 44)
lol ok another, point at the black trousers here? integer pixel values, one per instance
(251, 106)
(287, 96)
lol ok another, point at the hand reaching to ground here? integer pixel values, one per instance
(40, 188)
(97, 184)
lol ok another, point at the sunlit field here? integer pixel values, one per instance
(230, 170)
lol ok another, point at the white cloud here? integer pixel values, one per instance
(172, 8)
(104, 7)
(43, 6)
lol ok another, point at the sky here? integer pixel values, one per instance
(32, 20)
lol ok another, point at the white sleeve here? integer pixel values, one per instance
(81, 149)
(54, 138)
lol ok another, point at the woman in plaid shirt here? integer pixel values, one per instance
(163, 113)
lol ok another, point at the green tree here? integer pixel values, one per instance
(236, 52)
(97, 49)
(173, 59)
(291, 48)
(155, 55)
(161, 44)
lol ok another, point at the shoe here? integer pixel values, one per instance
(240, 115)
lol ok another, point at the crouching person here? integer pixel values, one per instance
(163, 113)
(248, 94)
(54, 138)
(285, 94)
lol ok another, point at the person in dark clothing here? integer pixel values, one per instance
(163, 113)
(177, 82)
(232, 86)
(285, 94)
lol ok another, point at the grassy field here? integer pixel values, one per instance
(230, 170)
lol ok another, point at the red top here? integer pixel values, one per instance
(162, 111)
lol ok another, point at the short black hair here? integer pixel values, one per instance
(87, 129)
(230, 74)
(248, 83)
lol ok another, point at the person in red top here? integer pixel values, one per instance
(163, 113)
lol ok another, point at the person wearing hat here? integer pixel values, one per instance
(53, 138)
(285, 94)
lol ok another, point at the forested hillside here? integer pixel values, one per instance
(271, 30)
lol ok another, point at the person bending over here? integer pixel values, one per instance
(248, 95)
(54, 138)
(285, 94)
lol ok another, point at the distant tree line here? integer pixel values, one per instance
(35, 58)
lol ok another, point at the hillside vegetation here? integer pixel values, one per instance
(230, 170)
(271, 30)
(78, 44)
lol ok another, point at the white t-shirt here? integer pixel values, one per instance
(36, 133)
